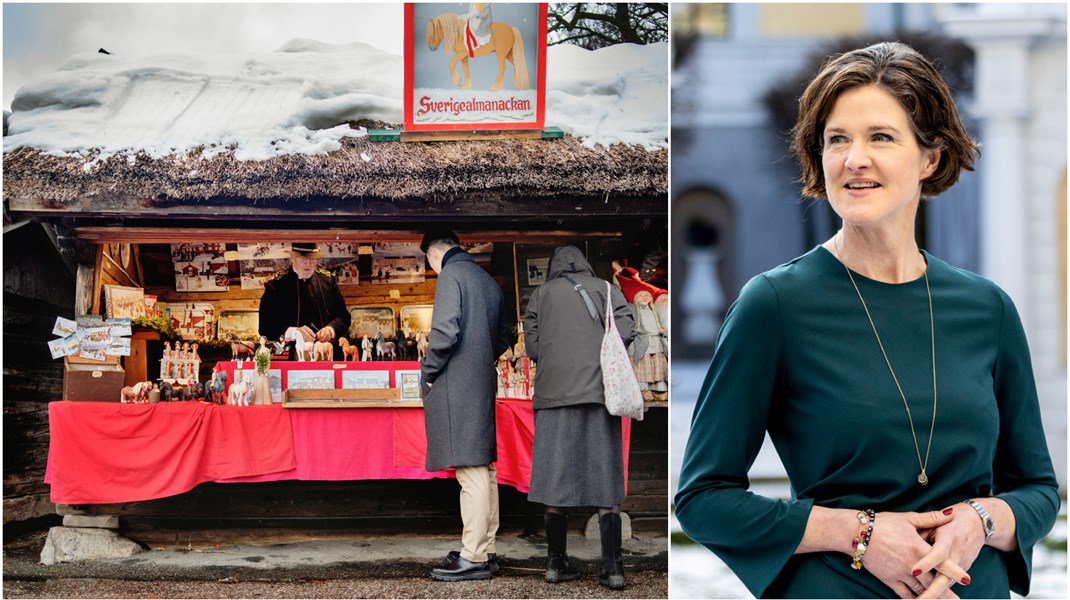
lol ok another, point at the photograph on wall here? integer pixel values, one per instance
(474, 66)
(365, 379)
(537, 268)
(200, 267)
(409, 384)
(369, 320)
(192, 321)
(397, 263)
(532, 266)
(340, 258)
(243, 323)
(123, 302)
(313, 379)
(258, 262)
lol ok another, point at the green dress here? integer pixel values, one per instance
(797, 357)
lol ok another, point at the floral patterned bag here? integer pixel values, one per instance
(623, 397)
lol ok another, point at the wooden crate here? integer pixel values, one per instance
(347, 398)
(92, 380)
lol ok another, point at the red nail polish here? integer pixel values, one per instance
(965, 580)
(916, 572)
(947, 511)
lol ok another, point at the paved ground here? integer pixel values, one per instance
(373, 567)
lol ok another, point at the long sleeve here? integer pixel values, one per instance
(754, 535)
(531, 327)
(1023, 473)
(272, 323)
(445, 327)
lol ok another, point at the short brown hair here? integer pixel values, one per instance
(916, 85)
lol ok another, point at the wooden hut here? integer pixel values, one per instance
(73, 225)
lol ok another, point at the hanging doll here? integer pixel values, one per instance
(649, 348)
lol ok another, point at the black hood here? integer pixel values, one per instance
(567, 260)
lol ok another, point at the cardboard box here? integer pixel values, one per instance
(92, 380)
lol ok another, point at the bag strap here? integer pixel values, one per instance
(610, 324)
(586, 297)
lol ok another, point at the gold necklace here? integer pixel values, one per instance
(923, 478)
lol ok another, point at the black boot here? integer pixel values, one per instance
(612, 565)
(558, 568)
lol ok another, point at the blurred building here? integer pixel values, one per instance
(736, 208)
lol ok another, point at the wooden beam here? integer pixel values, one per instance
(499, 205)
(161, 235)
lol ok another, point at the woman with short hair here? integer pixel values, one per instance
(897, 389)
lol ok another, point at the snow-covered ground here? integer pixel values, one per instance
(695, 572)
(289, 101)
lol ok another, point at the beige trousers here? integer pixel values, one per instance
(479, 511)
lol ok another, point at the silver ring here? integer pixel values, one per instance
(916, 587)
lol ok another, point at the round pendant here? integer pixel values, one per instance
(923, 478)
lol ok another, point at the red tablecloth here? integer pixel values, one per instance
(104, 452)
(325, 444)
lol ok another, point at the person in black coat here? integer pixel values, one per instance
(577, 455)
(305, 297)
(469, 330)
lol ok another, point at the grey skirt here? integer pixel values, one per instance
(577, 458)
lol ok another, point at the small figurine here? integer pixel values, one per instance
(302, 348)
(166, 391)
(193, 354)
(348, 350)
(181, 372)
(239, 391)
(167, 349)
(421, 344)
(323, 351)
(216, 390)
(238, 348)
(365, 348)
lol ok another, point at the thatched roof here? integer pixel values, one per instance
(425, 172)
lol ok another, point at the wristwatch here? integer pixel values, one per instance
(986, 519)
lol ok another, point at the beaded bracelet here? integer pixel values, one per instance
(861, 543)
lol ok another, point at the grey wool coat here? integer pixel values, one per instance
(469, 331)
(563, 339)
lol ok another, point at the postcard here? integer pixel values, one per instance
(64, 327)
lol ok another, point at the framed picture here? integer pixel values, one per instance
(244, 323)
(440, 95)
(361, 379)
(416, 318)
(409, 384)
(369, 320)
(123, 302)
(193, 321)
(310, 379)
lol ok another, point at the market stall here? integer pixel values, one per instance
(179, 243)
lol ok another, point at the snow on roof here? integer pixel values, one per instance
(298, 99)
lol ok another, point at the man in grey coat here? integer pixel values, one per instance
(469, 331)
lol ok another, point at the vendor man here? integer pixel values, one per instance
(306, 297)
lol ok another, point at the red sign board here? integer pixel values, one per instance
(475, 66)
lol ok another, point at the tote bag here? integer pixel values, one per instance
(623, 397)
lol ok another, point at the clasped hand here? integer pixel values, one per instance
(921, 555)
